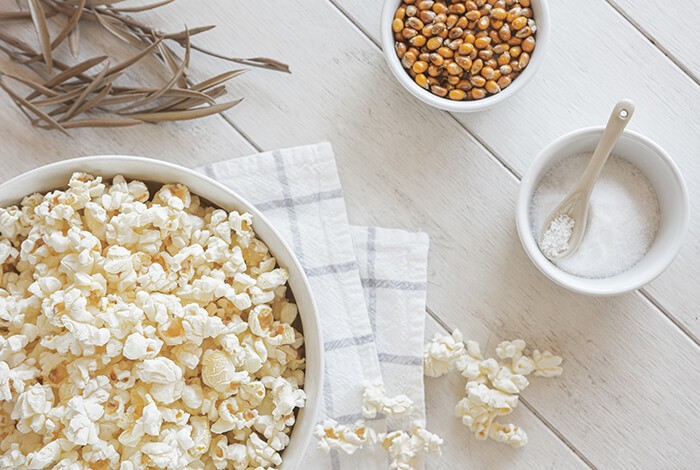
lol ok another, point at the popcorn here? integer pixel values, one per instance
(546, 364)
(139, 347)
(509, 434)
(142, 331)
(273, 279)
(404, 447)
(492, 388)
(45, 456)
(440, 353)
(349, 439)
(375, 401)
(481, 406)
(286, 397)
(31, 409)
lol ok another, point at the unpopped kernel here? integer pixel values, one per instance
(142, 331)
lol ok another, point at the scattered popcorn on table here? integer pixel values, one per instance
(143, 332)
(492, 388)
(375, 401)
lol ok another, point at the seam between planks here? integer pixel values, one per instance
(527, 405)
(652, 300)
(504, 164)
(649, 37)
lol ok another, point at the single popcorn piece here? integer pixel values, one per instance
(513, 350)
(143, 331)
(375, 402)
(547, 364)
(349, 439)
(405, 447)
(509, 434)
(440, 353)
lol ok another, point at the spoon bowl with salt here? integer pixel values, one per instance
(563, 230)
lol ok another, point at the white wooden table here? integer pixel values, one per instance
(630, 394)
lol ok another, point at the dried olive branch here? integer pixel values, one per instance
(64, 92)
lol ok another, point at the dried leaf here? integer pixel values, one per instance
(185, 100)
(141, 8)
(120, 98)
(75, 71)
(104, 122)
(261, 62)
(17, 43)
(171, 83)
(185, 93)
(90, 3)
(60, 98)
(70, 26)
(192, 102)
(31, 84)
(133, 59)
(221, 78)
(117, 30)
(39, 113)
(182, 35)
(42, 31)
(94, 101)
(21, 15)
(15, 15)
(171, 63)
(96, 83)
(74, 41)
(186, 114)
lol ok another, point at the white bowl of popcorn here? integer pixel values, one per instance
(143, 326)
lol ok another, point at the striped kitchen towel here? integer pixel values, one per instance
(369, 285)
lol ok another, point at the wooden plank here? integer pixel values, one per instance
(671, 27)
(462, 450)
(403, 164)
(584, 74)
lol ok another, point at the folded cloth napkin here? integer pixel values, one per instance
(299, 191)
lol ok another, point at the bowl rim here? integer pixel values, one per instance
(574, 283)
(311, 388)
(387, 42)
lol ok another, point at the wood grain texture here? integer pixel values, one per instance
(577, 86)
(626, 399)
(405, 165)
(673, 29)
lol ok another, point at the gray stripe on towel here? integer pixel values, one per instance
(391, 284)
(399, 359)
(302, 200)
(345, 342)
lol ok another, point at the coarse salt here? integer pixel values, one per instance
(555, 239)
(622, 221)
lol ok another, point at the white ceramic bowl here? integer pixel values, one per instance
(671, 191)
(541, 13)
(56, 175)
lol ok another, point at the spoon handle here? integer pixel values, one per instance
(620, 116)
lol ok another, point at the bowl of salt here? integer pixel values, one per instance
(638, 217)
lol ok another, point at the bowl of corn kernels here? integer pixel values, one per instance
(464, 56)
